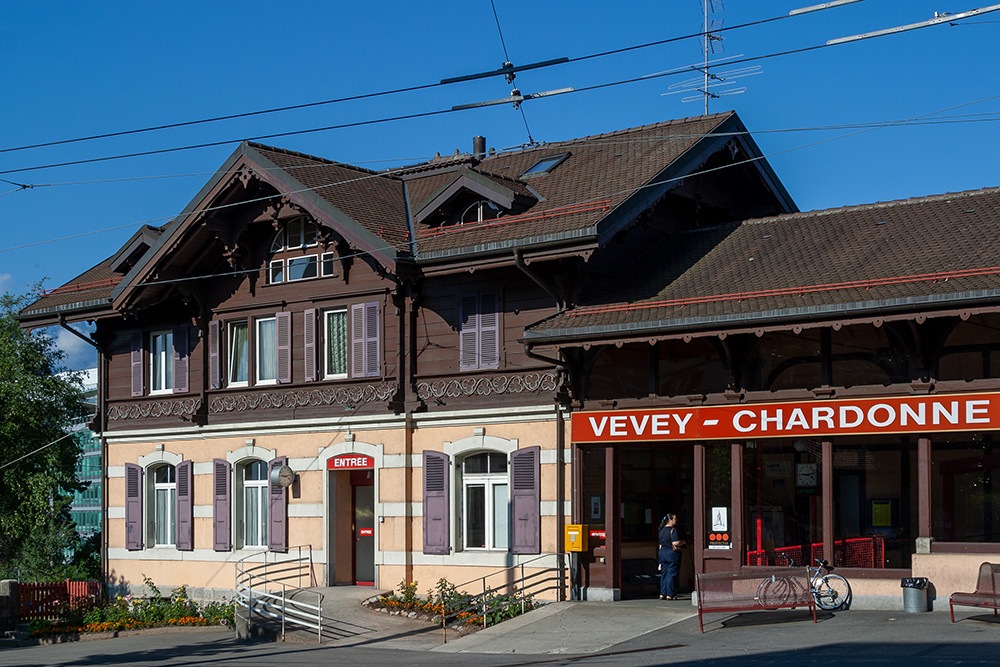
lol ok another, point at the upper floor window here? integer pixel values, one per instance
(480, 211)
(336, 343)
(297, 235)
(267, 350)
(239, 353)
(479, 331)
(161, 362)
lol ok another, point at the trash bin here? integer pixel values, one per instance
(914, 594)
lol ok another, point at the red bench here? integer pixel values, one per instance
(754, 589)
(986, 595)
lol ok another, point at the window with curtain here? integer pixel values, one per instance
(161, 361)
(238, 353)
(164, 504)
(485, 507)
(335, 342)
(254, 480)
(267, 351)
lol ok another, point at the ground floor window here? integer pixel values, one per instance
(164, 526)
(486, 506)
(965, 488)
(254, 501)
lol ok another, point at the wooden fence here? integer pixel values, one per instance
(50, 601)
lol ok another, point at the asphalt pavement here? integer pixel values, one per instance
(639, 632)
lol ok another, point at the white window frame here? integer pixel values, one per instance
(161, 363)
(258, 338)
(276, 267)
(262, 501)
(327, 375)
(479, 205)
(324, 259)
(230, 356)
(170, 518)
(489, 481)
(288, 267)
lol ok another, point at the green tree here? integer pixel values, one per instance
(37, 404)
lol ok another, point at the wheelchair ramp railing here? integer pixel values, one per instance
(273, 592)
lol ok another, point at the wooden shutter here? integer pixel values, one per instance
(372, 366)
(277, 510)
(468, 332)
(309, 343)
(358, 340)
(214, 355)
(437, 528)
(489, 330)
(221, 484)
(525, 502)
(185, 507)
(138, 388)
(181, 360)
(133, 507)
(283, 335)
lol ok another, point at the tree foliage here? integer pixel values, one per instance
(38, 403)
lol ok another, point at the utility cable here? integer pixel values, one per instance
(363, 96)
(32, 453)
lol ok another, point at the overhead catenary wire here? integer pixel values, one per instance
(383, 93)
(32, 453)
(863, 129)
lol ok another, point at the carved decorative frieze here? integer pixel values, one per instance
(486, 386)
(349, 397)
(182, 407)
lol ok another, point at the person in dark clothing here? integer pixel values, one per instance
(669, 555)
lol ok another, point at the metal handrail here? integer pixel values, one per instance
(253, 581)
(479, 602)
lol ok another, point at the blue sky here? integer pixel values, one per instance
(75, 69)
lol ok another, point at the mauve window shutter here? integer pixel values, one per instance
(468, 332)
(437, 530)
(182, 359)
(137, 375)
(283, 324)
(372, 366)
(133, 507)
(185, 506)
(309, 343)
(525, 501)
(358, 340)
(277, 530)
(489, 330)
(221, 483)
(214, 355)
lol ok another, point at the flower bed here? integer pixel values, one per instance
(458, 609)
(130, 613)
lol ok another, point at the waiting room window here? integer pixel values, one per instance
(254, 482)
(164, 526)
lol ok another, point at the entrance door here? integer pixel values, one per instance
(364, 535)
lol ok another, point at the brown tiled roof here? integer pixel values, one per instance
(88, 291)
(605, 169)
(915, 254)
(370, 198)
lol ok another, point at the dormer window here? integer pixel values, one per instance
(479, 211)
(297, 233)
(545, 165)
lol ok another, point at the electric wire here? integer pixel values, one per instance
(32, 453)
(363, 96)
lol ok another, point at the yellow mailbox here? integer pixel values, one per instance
(576, 537)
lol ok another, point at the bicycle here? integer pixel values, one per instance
(831, 591)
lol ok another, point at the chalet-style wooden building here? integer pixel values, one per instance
(451, 361)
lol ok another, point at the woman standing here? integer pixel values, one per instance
(671, 545)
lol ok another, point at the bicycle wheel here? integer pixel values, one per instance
(773, 592)
(831, 591)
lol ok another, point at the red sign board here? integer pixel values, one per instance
(599, 534)
(366, 532)
(350, 462)
(862, 416)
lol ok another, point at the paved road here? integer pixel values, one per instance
(648, 634)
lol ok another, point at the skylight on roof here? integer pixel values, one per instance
(545, 165)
